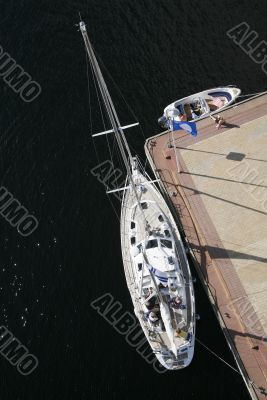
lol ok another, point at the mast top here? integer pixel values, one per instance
(82, 26)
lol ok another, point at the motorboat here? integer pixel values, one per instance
(199, 105)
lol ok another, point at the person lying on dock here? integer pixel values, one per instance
(218, 120)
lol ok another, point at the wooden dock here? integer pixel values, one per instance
(220, 199)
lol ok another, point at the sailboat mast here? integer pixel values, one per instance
(114, 120)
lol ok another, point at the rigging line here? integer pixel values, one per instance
(112, 114)
(114, 209)
(220, 358)
(144, 162)
(111, 153)
(112, 205)
(93, 140)
(120, 92)
(119, 134)
(89, 95)
(122, 143)
(96, 89)
(91, 128)
(90, 113)
(142, 168)
(116, 173)
(116, 153)
(121, 165)
(97, 94)
(101, 111)
(143, 165)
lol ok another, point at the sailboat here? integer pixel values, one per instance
(154, 258)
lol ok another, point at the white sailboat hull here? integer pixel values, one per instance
(173, 350)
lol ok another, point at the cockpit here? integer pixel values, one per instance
(193, 110)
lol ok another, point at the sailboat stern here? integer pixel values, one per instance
(182, 359)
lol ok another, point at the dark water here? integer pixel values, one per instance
(156, 51)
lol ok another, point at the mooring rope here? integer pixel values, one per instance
(216, 355)
(251, 94)
(230, 366)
